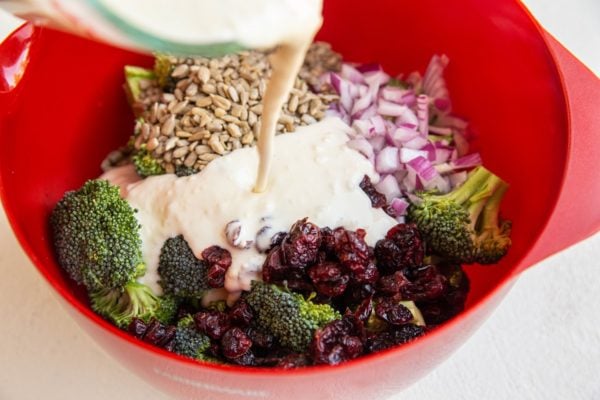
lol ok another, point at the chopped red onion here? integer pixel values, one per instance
(390, 109)
(377, 142)
(363, 128)
(457, 178)
(388, 186)
(390, 126)
(351, 74)
(401, 135)
(365, 68)
(423, 168)
(378, 124)
(408, 118)
(395, 94)
(438, 130)
(462, 145)
(363, 147)
(399, 206)
(387, 161)
(468, 161)
(407, 155)
(423, 114)
(417, 143)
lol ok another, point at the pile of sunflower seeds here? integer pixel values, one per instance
(210, 107)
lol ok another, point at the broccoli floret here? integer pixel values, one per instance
(493, 240)
(96, 237)
(189, 342)
(181, 273)
(133, 76)
(376, 324)
(288, 316)
(453, 224)
(145, 164)
(162, 70)
(167, 309)
(134, 300)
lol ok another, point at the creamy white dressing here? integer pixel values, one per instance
(315, 175)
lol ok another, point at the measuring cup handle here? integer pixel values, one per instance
(577, 212)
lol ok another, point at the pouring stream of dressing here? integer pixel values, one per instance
(286, 62)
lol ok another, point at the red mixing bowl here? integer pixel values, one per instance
(532, 106)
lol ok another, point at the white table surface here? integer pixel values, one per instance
(543, 342)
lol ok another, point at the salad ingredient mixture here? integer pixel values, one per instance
(193, 110)
(355, 247)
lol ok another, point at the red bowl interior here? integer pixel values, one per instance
(68, 111)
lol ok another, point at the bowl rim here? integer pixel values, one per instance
(502, 286)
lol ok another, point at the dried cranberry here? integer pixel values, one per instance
(364, 309)
(393, 313)
(219, 260)
(365, 273)
(378, 200)
(301, 246)
(442, 309)
(215, 276)
(217, 255)
(358, 292)
(350, 246)
(212, 323)
(327, 241)
(248, 359)
(241, 313)
(277, 239)
(158, 334)
(401, 248)
(274, 270)
(294, 360)
(338, 341)
(260, 339)
(235, 343)
(299, 284)
(167, 341)
(137, 328)
(397, 336)
(388, 255)
(328, 278)
(428, 285)
(392, 284)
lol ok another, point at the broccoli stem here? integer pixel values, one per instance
(489, 215)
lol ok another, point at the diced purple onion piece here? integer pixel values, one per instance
(468, 161)
(387, 160)
(461, 143)
(407, 118)
(394, 94)
(423, 114)
(417, 143)
(423, 168)
(378, 78)
(399, 206)
(457, 178)
(363, 147)
(390, 109)
(363, 127)
(438, 130)
(388, 186)
(377, 142)
(351, 74)
(379, 124)
(401, 135)
(407, 155)
(364, 68)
